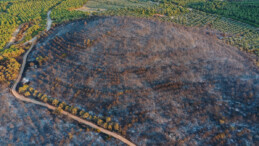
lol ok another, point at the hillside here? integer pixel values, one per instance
(162, 83)
(24, 123)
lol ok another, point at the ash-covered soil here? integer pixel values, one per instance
(164, 84)
(24, 123)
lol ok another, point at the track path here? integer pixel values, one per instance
(14, 35)
(49, 21)
(80, 120)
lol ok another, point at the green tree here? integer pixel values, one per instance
(81, 113)
(35, 93)
(62, 105)
(116, 127)
(100, 121)
(67, 108)
(74, 111)
(27, 94)
(55, 102)
(88, 43)
(110, 127)
(39, 95)
(23, 88)
(105, 125)
(108, 119)
(45, 99)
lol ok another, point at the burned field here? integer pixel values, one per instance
(162, 83)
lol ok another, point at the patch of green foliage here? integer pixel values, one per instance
(115, 4)
(65, 11)
(179, 2)
(21, 12)
(14, 13)
(163, 9)
(247, 12)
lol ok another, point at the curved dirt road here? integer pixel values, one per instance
(21, 97)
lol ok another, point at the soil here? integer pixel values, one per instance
(24, 123)
(164, 84)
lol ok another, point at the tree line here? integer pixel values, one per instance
(105, 122)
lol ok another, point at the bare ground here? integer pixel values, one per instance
(163, 83)
(25, 123)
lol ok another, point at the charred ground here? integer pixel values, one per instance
(163, 83)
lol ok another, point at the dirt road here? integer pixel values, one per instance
(49, 21)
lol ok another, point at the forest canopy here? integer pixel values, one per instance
(247, 12)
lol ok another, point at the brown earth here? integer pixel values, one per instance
(164, 84)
